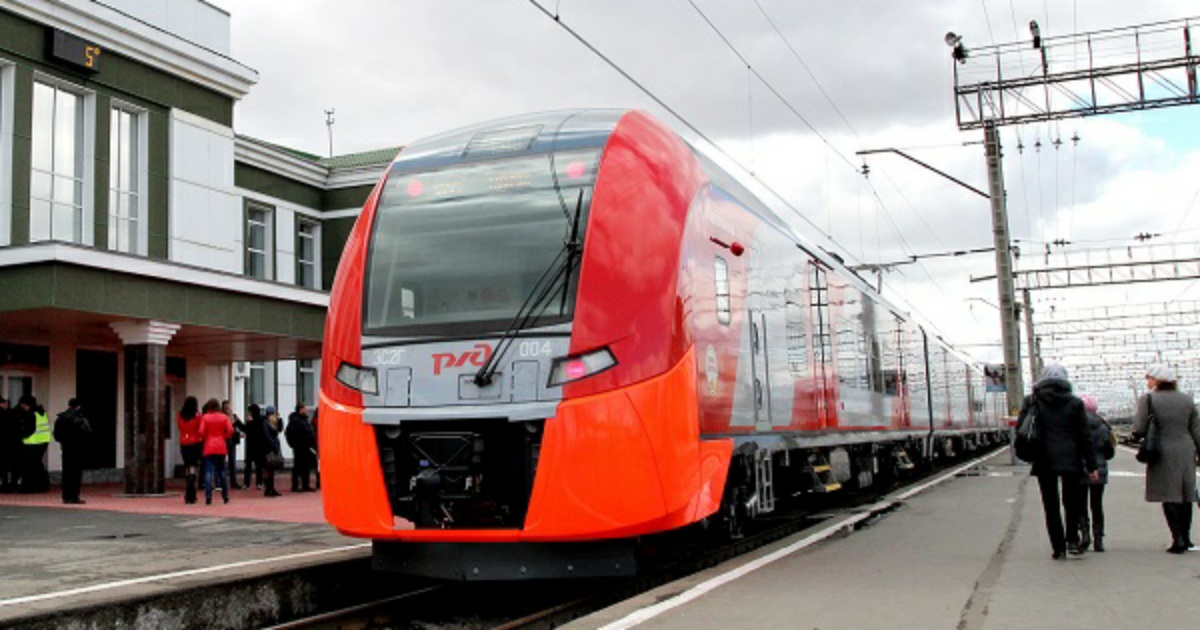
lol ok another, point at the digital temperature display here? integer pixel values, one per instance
(75, 50)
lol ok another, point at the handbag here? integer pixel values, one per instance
(274, 461)
(1149, 451)
(1028, 438)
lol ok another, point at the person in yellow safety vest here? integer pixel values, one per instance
(36, 428)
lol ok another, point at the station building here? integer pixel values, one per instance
(147, 251)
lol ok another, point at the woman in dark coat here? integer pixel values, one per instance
(255, 440)
(1172, 479)
(1102, 444)
(1064, 456)
(270, 432)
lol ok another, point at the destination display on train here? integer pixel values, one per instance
(492, 177)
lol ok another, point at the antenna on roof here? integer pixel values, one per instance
(329, 125)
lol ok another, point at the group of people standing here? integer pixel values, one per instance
(214, 442)
(25, 434)
(1070, 458)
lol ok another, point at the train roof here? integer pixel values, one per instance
(590, 128)
(541, 132)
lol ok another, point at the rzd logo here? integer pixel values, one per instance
(478, 357)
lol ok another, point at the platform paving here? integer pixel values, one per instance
(970, 553)
(113, 549)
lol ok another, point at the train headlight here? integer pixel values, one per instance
(572, 368)
(363, 379)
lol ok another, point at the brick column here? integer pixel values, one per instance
(145, 391)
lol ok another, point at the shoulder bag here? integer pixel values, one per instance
(1149, 451)
(1028, 436)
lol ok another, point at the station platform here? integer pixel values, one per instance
(150, 555)
(967, 553)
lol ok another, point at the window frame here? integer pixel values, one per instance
(140, 121)
(312, 371)
(315, 264)
(8, 72)
(86, 149)
(268, 248)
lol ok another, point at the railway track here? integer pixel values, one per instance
(536, 605)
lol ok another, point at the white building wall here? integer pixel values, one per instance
(206, 215)
(286, 384)
(207, 380)
(192, 20)
(61, 390)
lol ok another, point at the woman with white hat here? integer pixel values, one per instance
(1171, 478)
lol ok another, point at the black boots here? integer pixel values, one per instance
(189, 494)
(1179, 520)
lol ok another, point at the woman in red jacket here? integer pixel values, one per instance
(216, 428)
(191, 444)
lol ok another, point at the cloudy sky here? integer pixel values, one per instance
(855, 75)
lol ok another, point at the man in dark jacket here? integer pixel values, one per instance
(1064, 455)
(73, 431)
(300, 437)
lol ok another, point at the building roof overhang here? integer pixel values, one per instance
(145, 42)
(71, 294)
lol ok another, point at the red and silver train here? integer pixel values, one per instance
(552, 334)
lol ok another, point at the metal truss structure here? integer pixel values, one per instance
(1133, 68)
(1147, 347)
(1111, 367)
(1134, 264)
(1157, 316)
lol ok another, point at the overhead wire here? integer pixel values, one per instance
(678, 116)
(988, 20)
(829, 99)
(1017, 128)
(874, 192)
(769, 86)
(672, 111)
(800, 60)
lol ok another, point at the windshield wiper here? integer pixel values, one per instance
(559, 271)
(573, 248)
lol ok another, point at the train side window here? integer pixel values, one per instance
(721, 273)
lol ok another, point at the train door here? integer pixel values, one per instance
(818, 293)
(759, 363)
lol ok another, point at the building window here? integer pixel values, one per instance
(7, 83)
(57, 177)
(306, 253)
(256, 385)
(306, 382)
(721, 272)
(259, 242)
(126, 207)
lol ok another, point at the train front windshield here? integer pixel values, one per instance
(458, 249)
